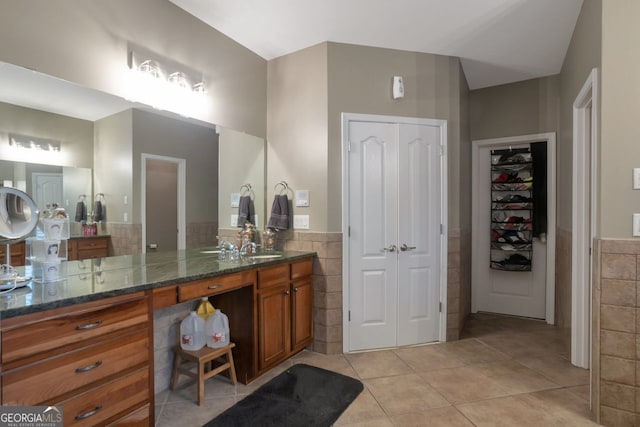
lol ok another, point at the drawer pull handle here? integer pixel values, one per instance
(89, 368)
(214, 286)
(89, 326)
(88, 414)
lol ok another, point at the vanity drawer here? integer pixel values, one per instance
(301, 269)
(93, 243)
(92, 253)
(215, 285)
(36, 333)
(271, 276)
(55, 376)
(97, 405)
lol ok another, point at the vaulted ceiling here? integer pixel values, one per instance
(498, 41)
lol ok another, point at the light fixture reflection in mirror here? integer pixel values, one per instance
(18, 219)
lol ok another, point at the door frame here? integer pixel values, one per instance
(182, 180)
(442, 124)
(584, 216)
(550, 138)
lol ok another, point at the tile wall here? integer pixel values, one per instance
(617, 362)
(126, 239)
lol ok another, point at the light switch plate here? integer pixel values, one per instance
(636, 178)
(234, 220)
(235, 200)
(636, 225)
(302, 198)
(301, 222)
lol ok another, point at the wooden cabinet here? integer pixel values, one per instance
(88, 247)
(17, 254)
(95, 359)
(285, 311)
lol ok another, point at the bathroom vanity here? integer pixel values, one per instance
(86, 342)
(78, 248)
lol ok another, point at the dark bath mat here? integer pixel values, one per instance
(303, 395)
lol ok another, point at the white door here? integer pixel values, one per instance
(47, 189)
(395, 242)
(419, 233)
(517, 293)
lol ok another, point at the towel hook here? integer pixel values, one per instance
(100, 196)
(284, 188)
(81, 197)
(245, 189)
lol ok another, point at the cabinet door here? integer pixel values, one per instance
(274, 306)
(302, 314)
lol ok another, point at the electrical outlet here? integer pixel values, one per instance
(234, 220)
(301, 222)
(636, 178)
(636, 225)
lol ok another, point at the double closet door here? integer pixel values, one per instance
(394, 174)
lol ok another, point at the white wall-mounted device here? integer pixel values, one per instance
(398, 87)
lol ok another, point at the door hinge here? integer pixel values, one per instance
(441, 150)
(349, 315)
(349, 231)
(349, 146)
(440, 307)
(441, 228)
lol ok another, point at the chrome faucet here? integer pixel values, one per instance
(228, 251)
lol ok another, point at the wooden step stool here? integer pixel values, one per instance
(202, 358)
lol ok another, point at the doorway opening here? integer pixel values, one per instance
(163, 189)
(504, 232)
(585, 132)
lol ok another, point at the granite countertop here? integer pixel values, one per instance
(89, 280)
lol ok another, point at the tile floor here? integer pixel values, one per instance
(505, 371)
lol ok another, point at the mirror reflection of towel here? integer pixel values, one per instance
(81, 212)
(245, 211)
(98, 214)
(279, 213)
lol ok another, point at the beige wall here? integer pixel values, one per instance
(620, 132)
(521, 108)
(85, 42)
(297, 130)
(584, 54)
(75, 135)
(113, 158)
(241, 161)
(197, 145)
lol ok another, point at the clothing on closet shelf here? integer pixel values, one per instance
(81, 211)
(279, 213)
(245, 211)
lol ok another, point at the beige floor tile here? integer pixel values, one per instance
(363, 409)
(378, 422)
(428, 358)
(439, 417)
(466, 384)
(557, 369)
(582, 391)
(189, 413)
(505, 412)
(403, 394)
(213, 388)
(565, 408)
(514, 377)
(375, 364)
(334, 362)
(472, 351)
(242, 389)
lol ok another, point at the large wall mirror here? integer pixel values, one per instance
(150, 169)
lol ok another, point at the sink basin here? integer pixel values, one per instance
(270, 256)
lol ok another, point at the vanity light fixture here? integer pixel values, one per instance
(34, 143)
(174, 74)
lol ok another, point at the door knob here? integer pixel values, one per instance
(404, 247)
(391, 248)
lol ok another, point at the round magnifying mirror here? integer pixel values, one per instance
(18, 214)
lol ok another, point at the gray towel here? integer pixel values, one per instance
(98, 214)
(81, 211)
(245, 210)
(279, 213)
